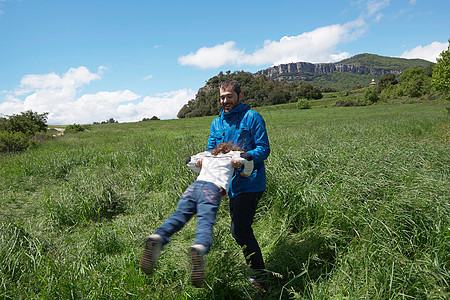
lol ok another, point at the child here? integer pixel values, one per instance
(203, 198)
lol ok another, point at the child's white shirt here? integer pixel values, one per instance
(217, 168)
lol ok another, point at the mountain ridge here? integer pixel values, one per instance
(357, 70)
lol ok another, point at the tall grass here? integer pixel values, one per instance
(356, 207)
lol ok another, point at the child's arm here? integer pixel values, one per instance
(247, 160)
(191, 162)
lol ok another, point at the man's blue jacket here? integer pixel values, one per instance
(247, 129)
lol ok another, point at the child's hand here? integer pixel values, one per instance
(235, 163)
(244, 175)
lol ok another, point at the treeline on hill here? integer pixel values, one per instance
(112, 121)
(21, 131)
(339, 81)
(428, 83)
(413, 83)
(258, 91)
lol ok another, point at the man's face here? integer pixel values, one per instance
(229, 99)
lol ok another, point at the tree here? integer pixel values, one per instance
(441, 73)
(154, 118)
(278, 96)
(257, 90)
(308, 91)
(186, 109)
(415, 82)
(110, 121)
(386, 80)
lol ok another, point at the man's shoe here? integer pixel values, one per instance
(198, 265)
(153, 247)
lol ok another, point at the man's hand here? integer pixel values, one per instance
(235, 163)
(198, 163)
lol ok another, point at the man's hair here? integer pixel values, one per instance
(225, 148)
(234, 83)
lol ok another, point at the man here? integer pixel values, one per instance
(246, 128)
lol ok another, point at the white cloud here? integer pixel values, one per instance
(214, 57)
(53, 85)
(428, 52)
(91, 107)
(164, 106)
(314, 46)
(378, 17)
(10, 107)
(148, 77)
(340, 56)
(412, 2)
(374, 6)
(59, 96)
(47, 92)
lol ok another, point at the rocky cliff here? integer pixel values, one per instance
(294, 70)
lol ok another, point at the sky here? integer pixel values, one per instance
(85, 61)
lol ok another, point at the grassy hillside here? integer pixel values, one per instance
(356, 207)
(384, 62)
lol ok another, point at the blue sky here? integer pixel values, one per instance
(85, 61)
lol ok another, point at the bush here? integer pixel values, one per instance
(352, 101)
(371, 95)
(154, 118)
(329, 90)
(388, 93)
(74, 128)
(28, 122)
(17, 131)
(13, 141)
(303, 104)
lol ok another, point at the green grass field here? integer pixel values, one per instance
(357, 207)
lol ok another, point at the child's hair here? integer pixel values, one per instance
(225, 148)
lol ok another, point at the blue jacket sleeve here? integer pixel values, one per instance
(260, 138)
(212, 142)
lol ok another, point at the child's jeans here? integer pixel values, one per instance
(201, 198)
